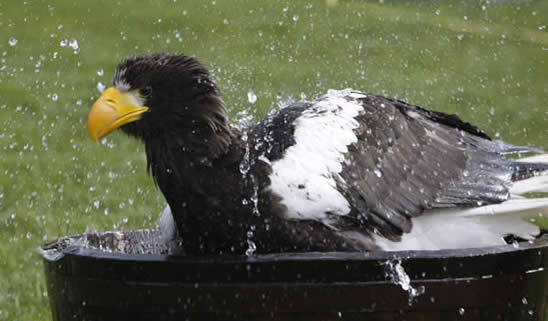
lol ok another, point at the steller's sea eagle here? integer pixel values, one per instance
(348, 171)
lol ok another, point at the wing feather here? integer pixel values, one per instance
(396, 161)
(408, 159)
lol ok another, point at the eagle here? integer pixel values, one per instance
(348, 171)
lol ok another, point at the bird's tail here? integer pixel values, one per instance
(488, 225)
(537, 181)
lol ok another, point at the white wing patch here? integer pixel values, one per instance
(306, 176)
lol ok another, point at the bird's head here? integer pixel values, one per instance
(155, 95)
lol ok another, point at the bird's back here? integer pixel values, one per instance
(366, 165)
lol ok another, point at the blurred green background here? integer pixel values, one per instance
(484, 60)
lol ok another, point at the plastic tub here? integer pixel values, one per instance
(117, 276)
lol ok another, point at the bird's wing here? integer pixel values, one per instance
(353, 160)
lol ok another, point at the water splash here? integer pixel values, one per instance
(245, 167)
(250, 181)
(100, 87)
(12, 42)
(145, 241)
(251, 97)
(73, 43)
(396, 273)
(251, 247)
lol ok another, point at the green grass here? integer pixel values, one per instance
(489, 65)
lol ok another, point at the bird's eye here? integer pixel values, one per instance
(145, 91)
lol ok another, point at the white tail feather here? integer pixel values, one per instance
(535, 184)
(472, 227)
(542, 158)
(538, 184)
(479, 226)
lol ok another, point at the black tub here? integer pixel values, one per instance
(106, 276)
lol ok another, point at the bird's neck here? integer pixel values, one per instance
(205, 191)
(180, 157)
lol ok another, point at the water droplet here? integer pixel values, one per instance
(12, 42)
(100, 87)
(251, 247)
(73, 43)
(251, 97)
(397, 274)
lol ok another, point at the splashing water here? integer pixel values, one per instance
(245, 167)
(100, 87)
(73, 43)
(145, 241)
(12, 42)
(251, 247)
(251, 97)
(396, 273)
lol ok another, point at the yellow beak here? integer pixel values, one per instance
(111, 111)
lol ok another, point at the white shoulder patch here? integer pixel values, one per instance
(305, 177)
